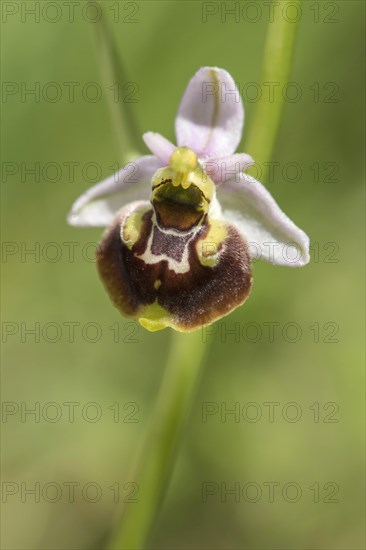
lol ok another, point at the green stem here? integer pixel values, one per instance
(156, 457)
(157, 454)
(115, 79)
(278, 52)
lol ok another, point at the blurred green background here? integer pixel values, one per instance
(311, 370)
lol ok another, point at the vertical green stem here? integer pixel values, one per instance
(156, 456)
(278, 52)
(115, 80)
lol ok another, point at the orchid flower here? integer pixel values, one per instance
(185, 225)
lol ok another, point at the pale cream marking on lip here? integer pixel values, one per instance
(181, 266)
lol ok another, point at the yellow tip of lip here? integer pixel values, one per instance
(152, 326)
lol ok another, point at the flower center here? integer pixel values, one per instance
(178, 208)
(181, 192)
(183, 161)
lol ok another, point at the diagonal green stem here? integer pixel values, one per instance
(156, 457)
(115, 80)
(157, 454)
(278, 53)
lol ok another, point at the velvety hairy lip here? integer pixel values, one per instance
(188, 300)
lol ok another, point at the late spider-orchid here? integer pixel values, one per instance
(183, 258)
